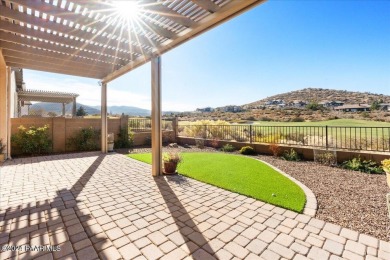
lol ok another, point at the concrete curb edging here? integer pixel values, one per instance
(311, 201)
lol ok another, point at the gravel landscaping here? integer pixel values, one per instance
(350, 199)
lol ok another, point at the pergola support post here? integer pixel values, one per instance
(74, 108)
(156, 117)
(103, 110)
(63, 109)
(9, 73)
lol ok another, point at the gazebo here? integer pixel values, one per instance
(102, 39)
(47, 96)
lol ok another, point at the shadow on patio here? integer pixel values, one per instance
(189, 231)
(58, 221)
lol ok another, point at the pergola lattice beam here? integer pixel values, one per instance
(93, 33)
(207, 5)
(61, 57)
(46, 96)
(54, 47)
(54, 69)
(63, 29)
(87, 46)
(16, 57)
(225, 13)
(65, 14)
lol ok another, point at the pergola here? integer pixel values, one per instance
(47, 96)
(95, 39)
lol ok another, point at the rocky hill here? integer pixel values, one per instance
(320, 94)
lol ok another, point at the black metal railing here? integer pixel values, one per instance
(145, 124)
(333, 137)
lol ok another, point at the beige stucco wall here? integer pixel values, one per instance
(61, 129)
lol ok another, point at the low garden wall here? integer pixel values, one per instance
(61, 129)
(144, 137)
(306, 153)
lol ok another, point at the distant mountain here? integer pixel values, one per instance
(127, 110)
(92, 110)
(320, 94)
(57, 108)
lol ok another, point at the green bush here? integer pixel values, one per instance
(326, 158)
(247, 150)
(297, 119)
(125, 140)
(199, 143)
(86, 139)
(33, 141)
(367, 166)
(228, 148)
(291, 155)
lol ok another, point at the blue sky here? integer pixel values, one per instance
(277, 47)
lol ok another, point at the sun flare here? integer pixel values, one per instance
(127, 8)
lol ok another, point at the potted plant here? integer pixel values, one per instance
(2, 148)
(386, 168)
(171, 160)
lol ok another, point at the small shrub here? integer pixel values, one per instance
(86, 139)
(298, 119)
(275, 149)
(247, 150)
(228, 148)
(125, 140)
(367, 166)
(33, 141)
(199, 143)
(265, 119)
(2, 146)
(215, 143)
(291, 155)
(386, 165)
(326, 158)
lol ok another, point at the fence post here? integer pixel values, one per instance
(175, 124)
(205, 132)
(326, 134)
(250, 133)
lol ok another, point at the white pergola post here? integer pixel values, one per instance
(103, 110)
(156, 117)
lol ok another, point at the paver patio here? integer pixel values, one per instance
(110, 207)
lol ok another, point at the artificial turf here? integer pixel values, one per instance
(240, 174)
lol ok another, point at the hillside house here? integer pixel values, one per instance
(384, 106)
(298, 103)
(331, 104)
(353, 108)
(205, 110)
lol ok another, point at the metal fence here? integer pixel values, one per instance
(330, 137)
(145, 124)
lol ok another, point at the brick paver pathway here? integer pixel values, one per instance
(110, 207)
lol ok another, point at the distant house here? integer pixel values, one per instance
(231, 108)
(299, 103)
(330, 104)
(353, 108)
(205, 110)
(384, 106)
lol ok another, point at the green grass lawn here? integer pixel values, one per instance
(240, 174)
(336, 122)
